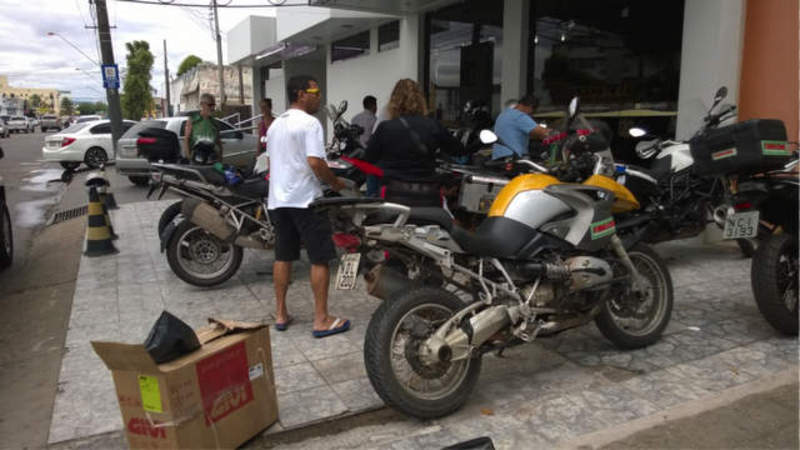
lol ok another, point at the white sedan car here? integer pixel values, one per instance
(87, 142)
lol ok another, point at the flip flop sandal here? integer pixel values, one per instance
(338, 326)
(285, 325)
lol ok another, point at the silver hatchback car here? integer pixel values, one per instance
(239, 147)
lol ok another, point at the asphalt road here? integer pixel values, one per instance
(33, 188)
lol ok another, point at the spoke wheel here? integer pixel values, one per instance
(391, 355)
(636, 317)
(200, 258)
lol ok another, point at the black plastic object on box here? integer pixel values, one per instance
(170, 338)
(158, 144)
(747, 147)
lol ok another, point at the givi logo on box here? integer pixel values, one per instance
(224, 382)
(143, 427)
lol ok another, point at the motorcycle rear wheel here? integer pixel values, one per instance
(773, 274)
(400, 379)
(200, 258)
(619, 319)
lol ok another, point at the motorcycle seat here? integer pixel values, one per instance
(210, 174)
(496, 237)
(422, 215)
(255, 188)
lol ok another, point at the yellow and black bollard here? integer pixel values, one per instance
(98, 234)
(106, 196)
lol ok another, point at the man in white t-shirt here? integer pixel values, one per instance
(297, 165)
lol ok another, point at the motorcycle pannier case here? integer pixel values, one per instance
(747, 147)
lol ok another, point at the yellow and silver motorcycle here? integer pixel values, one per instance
(546, 259)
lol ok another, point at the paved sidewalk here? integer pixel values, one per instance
(537, 396)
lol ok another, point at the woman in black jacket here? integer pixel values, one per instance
(406, 145)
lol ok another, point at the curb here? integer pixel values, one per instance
(608, 436)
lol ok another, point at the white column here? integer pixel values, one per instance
(711, 56)
(410, 46)
(515, 49)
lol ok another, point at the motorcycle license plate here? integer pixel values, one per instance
(347, 275)
(741, 225)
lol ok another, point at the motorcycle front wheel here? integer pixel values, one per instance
(773, 275)
(200, 258)
(391, 355)
(637, 319)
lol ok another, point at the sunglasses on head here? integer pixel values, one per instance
(312, 90)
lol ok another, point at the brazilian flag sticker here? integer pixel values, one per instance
(775, 148)
(603, 228)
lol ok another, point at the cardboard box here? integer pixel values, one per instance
(218, 396)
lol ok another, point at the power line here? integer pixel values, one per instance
(273, 4)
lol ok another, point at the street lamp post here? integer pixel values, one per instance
(53, 33)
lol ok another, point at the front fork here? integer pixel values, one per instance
(619, 249)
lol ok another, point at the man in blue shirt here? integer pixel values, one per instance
(515, 127)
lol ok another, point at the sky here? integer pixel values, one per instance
(32, 59)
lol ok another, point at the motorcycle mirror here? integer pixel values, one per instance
(342, 106)
(263, 139)
(487, 137)
(636, 132)
(721, 94)
(573, 107)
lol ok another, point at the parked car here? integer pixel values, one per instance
(87, 118)
(6, 235)
(19, 124)
(34, 122)
(239, 149)
(3, 129)
(50, 121)
(87, 142)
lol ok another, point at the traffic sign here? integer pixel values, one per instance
(110, 76)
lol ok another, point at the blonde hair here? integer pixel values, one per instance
(406, 99)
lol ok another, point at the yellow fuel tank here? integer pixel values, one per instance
(521, 183)
(624, 200)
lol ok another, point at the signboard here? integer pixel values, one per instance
(110, 76)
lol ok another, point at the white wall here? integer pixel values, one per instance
(275, 88)
(291, 21)
(711, 53)
(376, 73)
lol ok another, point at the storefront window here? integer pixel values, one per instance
(464, 58)
(350, 47)
(615, 54)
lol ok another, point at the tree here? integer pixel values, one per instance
(137, 99)
(100, 107)
(36, 101)
(188, 64)
(85, 108)
(66, 106)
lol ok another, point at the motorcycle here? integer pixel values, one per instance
(769, 200)
(677, 201)
(214, 221)
(546, 259)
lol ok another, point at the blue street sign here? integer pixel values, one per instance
(110, 76)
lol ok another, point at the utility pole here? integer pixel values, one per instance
(166, 113)
(221, 98)
(107, 53)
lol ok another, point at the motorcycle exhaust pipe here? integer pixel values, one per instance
(384, 282)
(457, 343)
(208, 218)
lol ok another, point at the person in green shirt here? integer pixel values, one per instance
(200, 128)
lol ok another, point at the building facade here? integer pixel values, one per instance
(185, 90)
(651, 64)
(14, 99)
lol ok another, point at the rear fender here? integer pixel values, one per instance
(166, 235)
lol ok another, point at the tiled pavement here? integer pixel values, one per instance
(571, 384)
